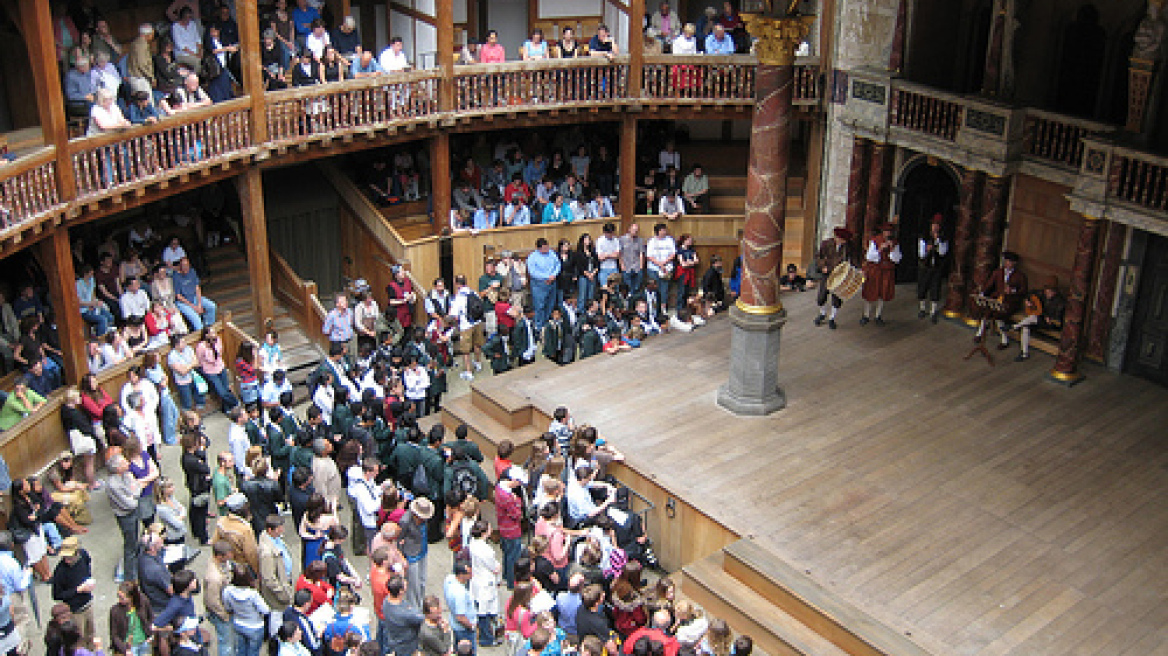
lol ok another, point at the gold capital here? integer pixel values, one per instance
(778, 38)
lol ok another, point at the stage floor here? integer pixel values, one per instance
(983, 510)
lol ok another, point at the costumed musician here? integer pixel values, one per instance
(1044, 310)
(1008, 285)
(832, 251)
(933, 252)
(880, 272)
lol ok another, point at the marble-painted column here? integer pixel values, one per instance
(876, 211)
(1066, 365)
(991, 81)
(1099, 328)
(758, 317)
(960, 269)
(989, 233)
(857, 178)
(896, 57)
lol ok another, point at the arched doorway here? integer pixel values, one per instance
(928, 187)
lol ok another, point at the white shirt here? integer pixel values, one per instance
(149, 396)
(317, 43)
(186, 39)
(323, 397)
(923, 247)
(366, 496)
(416, 382)
(873, 254)
(145, 427)
(608, 246)
(393, 61)
(667, 158)
(458, 309)
(659, 248)
(135, 304)
(239, 444)
(667, 206)
(172, 254)
(685, 45)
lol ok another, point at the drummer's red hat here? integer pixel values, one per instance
(844, 234)
(938, 218)
(888, 227)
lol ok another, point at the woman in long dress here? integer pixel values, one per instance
(484, 582)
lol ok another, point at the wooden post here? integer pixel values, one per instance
(445, 19)
(251, 67)
(440, 181)
(636, 47)
(369, 25)
(56, 257)
(627, 201)
(37, 24)
(255, 236)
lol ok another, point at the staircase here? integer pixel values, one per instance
(229, 285)
(784, 610)
(493, 413)
(409, 220)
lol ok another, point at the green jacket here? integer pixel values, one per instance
(590, 343)
(469, 449)
(553, 340)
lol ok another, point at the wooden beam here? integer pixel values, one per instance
(440, 181)
(445, 11)
(255, 236)
(56, 258)
(627, 201)
(636, 47)
(251, 66)
(37, 22)
(369, 25)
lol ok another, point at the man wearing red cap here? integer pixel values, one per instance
(832, 251)
(880, 273)
(933, 252)
(1008, 285)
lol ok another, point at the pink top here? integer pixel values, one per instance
(492, 53)
(557, 542)
(211, 361)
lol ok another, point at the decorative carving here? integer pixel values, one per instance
(869, 92)
(778, 38)
(1095, 162)
(987, 122)
(1148, 41)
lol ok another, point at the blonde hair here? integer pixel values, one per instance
(160, 488)
(689, 29)
(470, 507)
(686, 611)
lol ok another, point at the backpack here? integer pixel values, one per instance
(420, 485)
(463, 479)
(475, 311)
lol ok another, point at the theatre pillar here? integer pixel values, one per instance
(56, 257)
(959, 273)
(876, 212)
(857, 177)
(989, 234)
(1066, 365)
(758, 316)
(627, 198)
(440, 182)
(255, 234)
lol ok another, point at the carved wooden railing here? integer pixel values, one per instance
(298, 114)
(718, 79)
(1057, 139)
(29, 188)
(926, 110)
(491, 88)
(143, 154)
(1139, 178)
(300, 299)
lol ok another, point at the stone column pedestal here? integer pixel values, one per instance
(753, 388)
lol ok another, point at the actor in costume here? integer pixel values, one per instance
(933, 252)
(1008, 285)
(833, 250)
(880, 273)
(1044, 310)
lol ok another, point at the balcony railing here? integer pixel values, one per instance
(29, 188)
(1139, 178)
(121, 160)
(544, 84)
(1057, 139)
(926, 110)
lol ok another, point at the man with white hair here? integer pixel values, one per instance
(139, 61)
(123, 491)
(346, 39)
(105, 75)
(191, 95)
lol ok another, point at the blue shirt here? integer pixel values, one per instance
(484, 220)
(541, 266)
(177, 609)
(562, 215)
(186, 284)
(459, 602)
(339, 327)
(373, 67)
(86, 288)
(302, 19)
(716, 47)
(534, 171)
(12, 575)
(138, 114)
(78, 85)
(520, 216)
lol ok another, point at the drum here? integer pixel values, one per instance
(845, 280)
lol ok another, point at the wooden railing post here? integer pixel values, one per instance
(37, 23)
(445, 20)
(627, 201)
(636, 48)
(255, 237)
(56, 256)
(251, 67)
(440, 181)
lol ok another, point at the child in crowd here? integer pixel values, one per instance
(792, 281)
(562, 426)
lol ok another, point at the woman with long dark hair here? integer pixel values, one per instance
(130, 621)
(587, 266)
(197, 472)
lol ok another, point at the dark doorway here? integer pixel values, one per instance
(929, 189)
(1148, 347)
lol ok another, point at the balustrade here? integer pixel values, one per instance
(485, 88)
(29, 189)
(698, 77)
(1058, 139)
(360, 104)
(116, 160)
(925, 110)
(1139, 178)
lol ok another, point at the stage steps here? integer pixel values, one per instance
(229, 286)
(783, 609)
(493, 413)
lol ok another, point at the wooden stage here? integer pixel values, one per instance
(979, 510)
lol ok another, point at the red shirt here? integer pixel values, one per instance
(501, 465)
(655, 635)
(95, 408)
(501, 315)
(509, 512)
(516, 188)
(322, 592)
(379, 582)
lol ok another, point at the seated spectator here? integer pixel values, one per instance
(333, 66)
(535, 171)
(28, 303)
(602, 44)
(105, 115)
(495, 180)
(273, 62)
(93, 310)
(671, 206)
(80, 93)
(186, 35)
(534, 48)
(580, 163)
(303, 16)
(467, 198)
(173, 253)
(648, 202)
(393, 58)
(719, 42)
(222, 52)
(516, 212)
(599, 207)
(30, 349)
(571, 188)
(792, 281)
(198, 310)
(105, 74)
(317, 39)
(21, 402)
(307, 71)
(668, 157)
(516, 187)
(492, 51)
(142, 111)
(189, 96)
(9, 332)
(665, 24)
(134, 302)
(346, 39)
(364, 65)
(686, 42)
(39, 381)
(567, 47)
(228, 28)
(114, 349)
(557, 211)
(139, 60)
(109, 284)
(696, 190)
(161, 323)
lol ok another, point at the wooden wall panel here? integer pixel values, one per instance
(1043, 230)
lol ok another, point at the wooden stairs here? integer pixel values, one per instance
(783, 609)
(409, 220)
(229, 285)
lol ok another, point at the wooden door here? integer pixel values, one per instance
(1148, 346)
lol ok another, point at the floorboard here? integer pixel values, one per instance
(981, 509)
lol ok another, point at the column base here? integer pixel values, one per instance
(1065, 379)
(753, 388)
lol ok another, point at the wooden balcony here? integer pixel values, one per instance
(118, 170)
